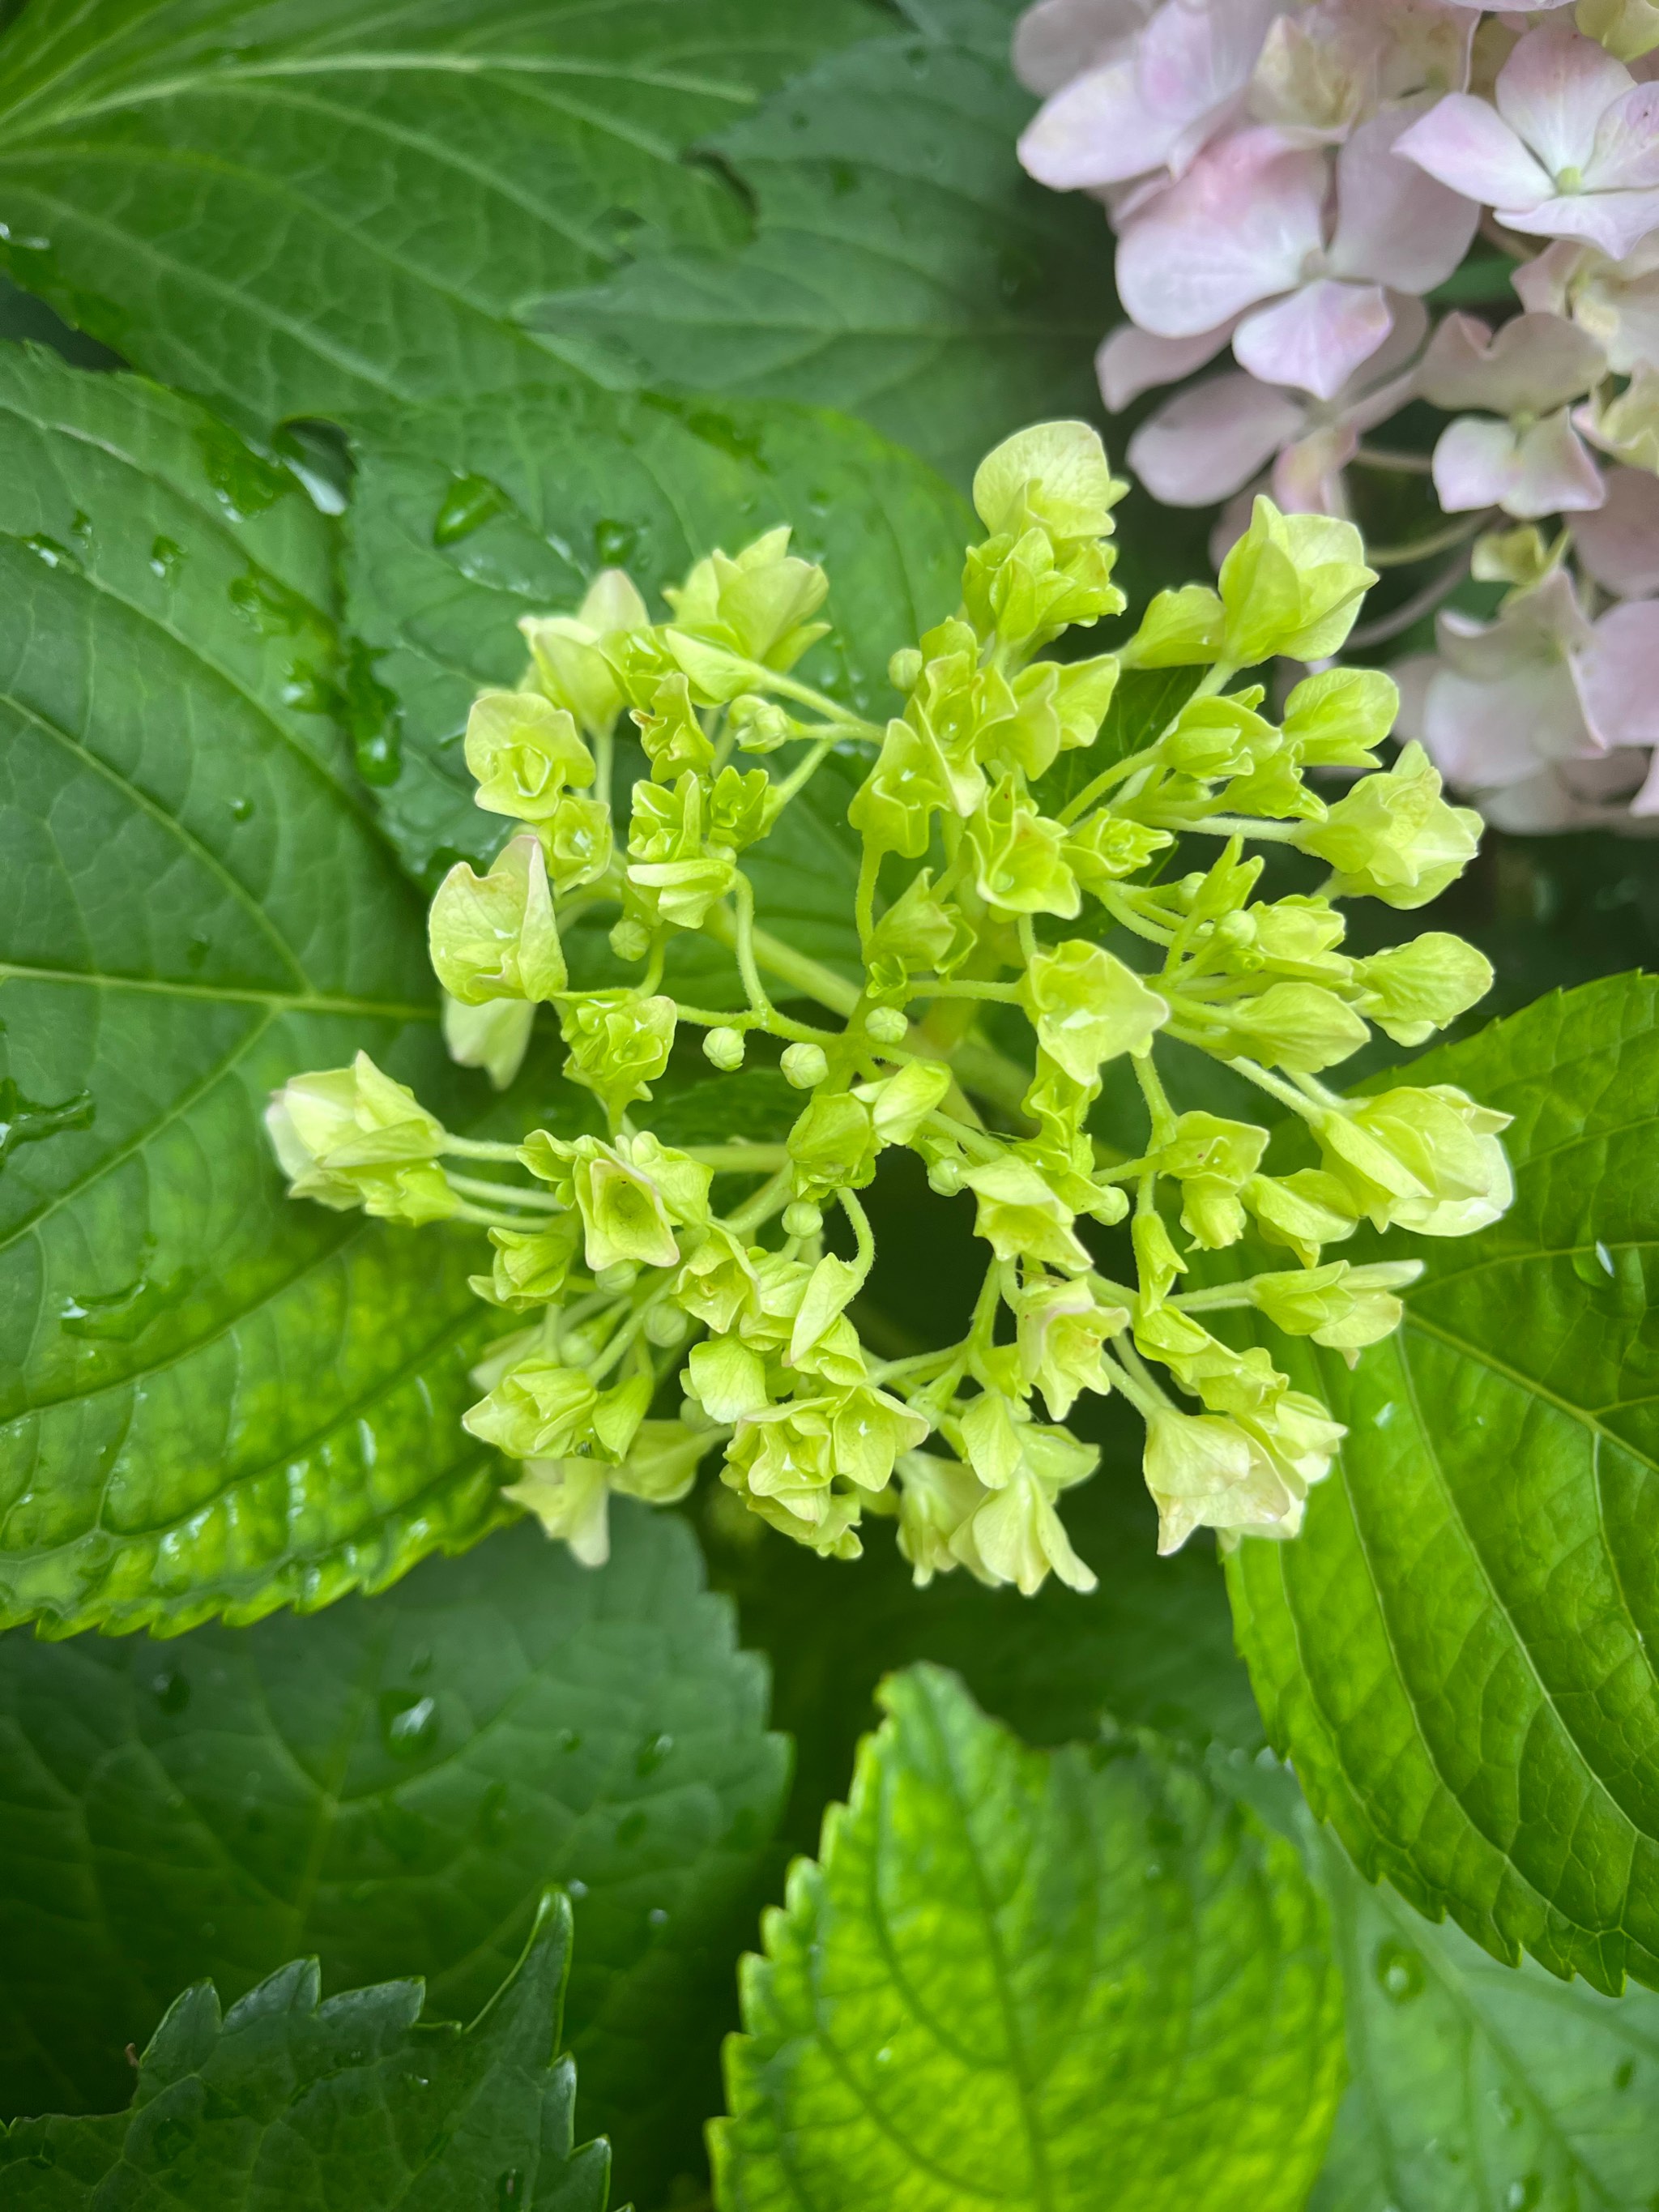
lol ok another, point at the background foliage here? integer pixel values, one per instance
(460, 300)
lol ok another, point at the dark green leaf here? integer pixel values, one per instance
(1017, 1972)
(1456, 1653)
(390, 1786)
(210, 1399)
(583, 480)
(303, 207)
(903, 267)
(284, 2100)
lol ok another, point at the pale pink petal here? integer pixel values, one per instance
(1545, 284)
(1550, 801)
(1618, 675)
(1626, 155)
(1619, 544)
(1307, 476)
(1554, 472)
(1535, 629)
(1098, 130)
(1058, 39)
(1482, 735)
(1197, 55)
(1646, 800)
(1468, 146)
(1131, 361)
(1205, 442)
(1616, 221)
(1316, 339)
(1237, 229)
(1474, 463)
(1554, 91)
(1533, 362)
(1395, 224)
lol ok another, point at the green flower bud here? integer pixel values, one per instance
(1180, 630)
(1061, 1330)
(1338, 717)
(802, 1219)
(724, 1047)
(742, 808)
(1053, 705)
(868, 1430)
(833, 1145)
(1027, 589)
(728, 1379)
(717, 1285)
(757, 724)
(1420, 987)
(674, 741)
(1302, 1212)
(1214, 737)
(1019, 855)
(919, 932)
(624, 1194)
(1109, 847)
(1205, 1472)
(524, 754)
(829, 1289)
(1087, 1007)
(1300, 1026)
(1157, 1261)
(904, 669)
(936, 1497)
(495, 1036)
(804, 1065)
(540, 1409)
(886, 1025)
(530, 1265)
(1292, 584)
(1298, 934)
(1055, 475)
(619, 1043)
(1629, 29)
(1340, 1306)
(988, 1437)
(1212, 1159)
(1014, 1535)
(571, 1498)
(1021, 1217)
(576, 839)
(630, 938)
(573, 654)
(350, 1136)
(1394, 837)
(661, 1464)
(1429, 1159)
(901, 1103)
(494, 935)
(755, 606)
(666, 1326)
(782, 1462)
(893, 809)
(681, 892)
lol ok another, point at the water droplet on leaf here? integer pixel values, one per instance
(171, 1690)
(614, 542)
(1398, 1973)
(467, 505)
(25, 1121)
(651, 1753)
(409, 1723)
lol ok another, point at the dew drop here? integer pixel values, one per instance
(171, 1690)
(1398, 1973)
(197, 948)
(570, 1740)
(658, 1917)
(25, 1121)
(1521, 2195)
(245, 485)
(1623, 2074)
(614, 542)
(55, 555)
(241, 810)
(469, 502)
(509, 2189)
(1509, 2111)
(409, 1723)
(651, 1753)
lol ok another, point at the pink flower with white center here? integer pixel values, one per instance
(1163, 86)
(1533, 463)
(1619, 544)
(1507, 700)
(1250, 223)
(1215, 437)
(1616, 301)
(1570, 150)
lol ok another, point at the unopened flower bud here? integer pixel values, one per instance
(1055, 475)
(350, 1136)
(1087, 1007)
(1292, 585)
(802, 1219)
(757, 724)
(724, 1047)
(1420, 986)
(886, 1025)
(630, 939)
(1394, 837)
(804, 1065)
(494, 935)
(666, 1324)
(904, 669)
(525, 753)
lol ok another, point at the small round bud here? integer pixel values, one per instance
(620, 1275)
(904, 669)
(802, 1219)
(945, 1176)
(886, 1025)
(724, 1047)
(666, 1326)
(804, 1065)
(630, 939)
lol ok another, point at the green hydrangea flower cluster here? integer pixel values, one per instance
(634, 1290)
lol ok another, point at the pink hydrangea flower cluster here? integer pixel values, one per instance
(1291, 182)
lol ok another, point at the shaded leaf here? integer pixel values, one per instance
(1015, 1969)
(902, 267)
(390, 1786)
(1456, 1653)
(287, 2100)
(305, 207)
(210, 1399)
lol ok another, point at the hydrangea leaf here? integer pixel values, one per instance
(1015, 1971)
(211, 1400)
(304, 207)
(902, 266)
(467, 517)
(1457, 1651)
(286, 2100)
(390, 1786)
